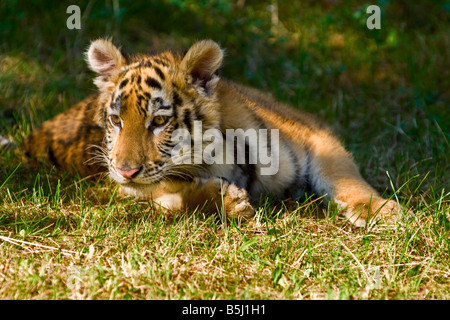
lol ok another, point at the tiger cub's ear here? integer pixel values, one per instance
(201, 62)
(104, 58)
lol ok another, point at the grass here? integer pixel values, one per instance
(385, 92)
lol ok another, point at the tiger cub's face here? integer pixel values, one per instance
(142, 103)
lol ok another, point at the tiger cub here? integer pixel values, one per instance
(167, 128)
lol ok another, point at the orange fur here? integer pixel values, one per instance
(178, 90)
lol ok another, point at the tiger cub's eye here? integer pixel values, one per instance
(159, 121)
(115, 120)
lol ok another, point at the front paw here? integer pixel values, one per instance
(237, 203)
(379, 209)
(389, 211)
(227, 198)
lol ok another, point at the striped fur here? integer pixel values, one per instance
(142, 101)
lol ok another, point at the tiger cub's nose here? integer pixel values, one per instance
(128, 173)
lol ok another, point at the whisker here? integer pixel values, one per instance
(100, 155)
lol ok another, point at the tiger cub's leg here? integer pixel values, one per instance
(213, 194)
(333, 171)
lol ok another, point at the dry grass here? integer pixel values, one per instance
(122, 249)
